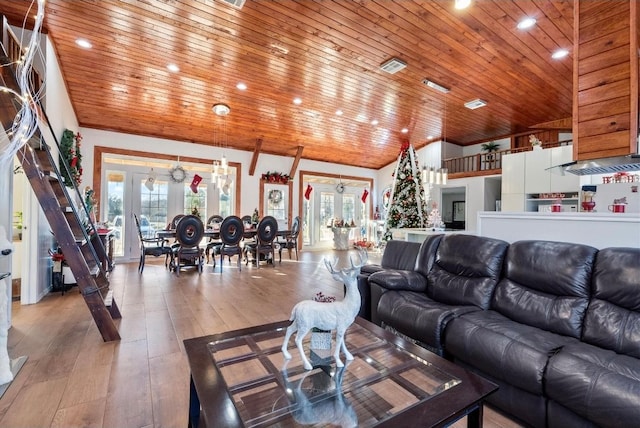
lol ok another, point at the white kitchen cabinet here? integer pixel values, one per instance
(513, 202)
(536, 178)
(567, 182)
(527, 175)
(513, 173)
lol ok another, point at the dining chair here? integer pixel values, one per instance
(151, 247)
(231, 233)
(290, 241)
(174, 222)
(214, 223)
(189, 233)
(246, 221)
(264, 245)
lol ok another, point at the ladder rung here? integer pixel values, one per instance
(108, 299)
(94, 270)
(52, 175)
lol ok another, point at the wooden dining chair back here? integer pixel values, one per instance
(264, 246)
(151, 247)
(213, 223)
(290, 241)
(189, 233)
(173, 225)
(246, 221)
(231, 233)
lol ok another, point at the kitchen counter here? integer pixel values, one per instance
(420, 234)
(599, 230)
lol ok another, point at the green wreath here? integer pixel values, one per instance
(275, 196)
(71, 157)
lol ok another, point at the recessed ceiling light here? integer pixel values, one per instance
(221, 109)
(404, 130)
(338, 112)
(241, 86)
(526, 23)
(116, 88)
(173, 68)
(429, 137)
(297, 101)
(84, 43)
(374, 122)
(560, 53)
(462, 4)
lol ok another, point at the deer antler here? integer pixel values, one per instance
(362, 254)
(331, 266)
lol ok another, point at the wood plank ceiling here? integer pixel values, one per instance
(327, 53)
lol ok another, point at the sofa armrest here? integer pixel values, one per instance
(387, 280)
(394, 279)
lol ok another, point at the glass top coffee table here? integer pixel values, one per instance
(241, 379)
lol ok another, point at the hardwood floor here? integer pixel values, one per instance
(73, 379)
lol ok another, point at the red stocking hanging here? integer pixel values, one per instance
(307, 193)
(194, 183)
(364, 196)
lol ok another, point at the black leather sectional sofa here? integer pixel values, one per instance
(556, 325)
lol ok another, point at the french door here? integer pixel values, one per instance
(326, 207)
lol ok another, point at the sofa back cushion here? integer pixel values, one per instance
(400, 255)
(427, 254)
(613, 317)
(466, 270)
(546, 285)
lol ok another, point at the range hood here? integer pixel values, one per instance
(611, 165)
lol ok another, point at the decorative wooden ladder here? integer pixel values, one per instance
(76, 235)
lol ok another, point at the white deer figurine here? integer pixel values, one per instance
(336, 316)
(334, 410)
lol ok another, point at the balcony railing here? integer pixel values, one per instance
(486, 163)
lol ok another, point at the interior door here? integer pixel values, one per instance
(276, 203)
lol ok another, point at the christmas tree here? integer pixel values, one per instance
(407, 205)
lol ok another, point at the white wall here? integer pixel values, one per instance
(250, 184)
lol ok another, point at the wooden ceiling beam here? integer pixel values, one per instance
(296, 161)
(254, 158)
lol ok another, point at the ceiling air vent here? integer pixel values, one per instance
(474, 104)
(393, 65)
(235, 3)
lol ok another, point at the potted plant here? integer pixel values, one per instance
(536, 144)
(490, 147)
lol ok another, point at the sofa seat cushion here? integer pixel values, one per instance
(399, 280)
(509, 351)
(596, 383)
(417, 316)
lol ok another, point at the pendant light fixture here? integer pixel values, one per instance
(221, 110)
(444, 172)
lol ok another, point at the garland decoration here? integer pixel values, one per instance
(71, 156)
(276, 177)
